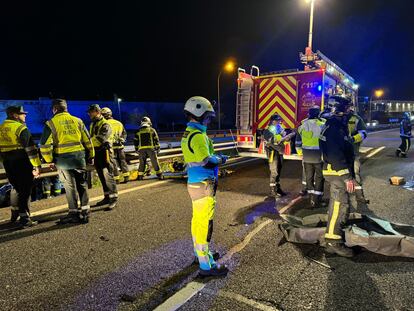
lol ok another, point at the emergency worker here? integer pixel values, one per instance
(338, 160)
(405, 135)
(310, 130)
(202, 169)
(118, 139)
(147, 145)
(274, 136)
(66, 143)
(101, 132)
(51, 186)
(20, 160)
(357, 133)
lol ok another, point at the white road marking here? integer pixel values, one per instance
(375, 151)
(247, 301)
(181, 297)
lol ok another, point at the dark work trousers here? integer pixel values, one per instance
(120, 163)
(144, 154)
(275, 167)
(338, 210)
(405, 145)
(104, 168)
(19, 173)
(304, 188)
(314, 178)
(359, 191)
(76, 185)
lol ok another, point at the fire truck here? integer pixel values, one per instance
(288, 93)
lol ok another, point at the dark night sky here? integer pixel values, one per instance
(170, 50)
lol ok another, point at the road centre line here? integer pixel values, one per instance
(375, 151)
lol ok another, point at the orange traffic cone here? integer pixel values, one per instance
(287, 148)
(261, 148)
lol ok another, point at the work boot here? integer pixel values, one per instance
(84, 216)
(160, 176)
(112, 204)
(117, 181)
(140, 177)
(397, 152)
(339, 249)
(14, 215)
(302, 193)
(26, 222)
(102, 202)
(217, 271)
(215, 255)
(272, 192)
(126, 179)
(403, 155)
(279, 191)
(70, 218)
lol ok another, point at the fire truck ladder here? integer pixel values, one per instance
(245, 103)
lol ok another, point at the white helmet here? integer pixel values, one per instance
(198, 106)
(145, 121)
(106, 112)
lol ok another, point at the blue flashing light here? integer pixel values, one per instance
(319, 88)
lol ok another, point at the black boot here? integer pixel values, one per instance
(14, 215)
(26, 222)
(84, 216)
(217, 271)
(112, 204)
(70, 218)
(160, 176)
(102, 202)
(339, 249)
(140, 177)
(126, 179)
(397, 152)
(279, 191)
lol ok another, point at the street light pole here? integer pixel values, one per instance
(218, 99)
(311, 24)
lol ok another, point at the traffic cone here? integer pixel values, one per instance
(288, 151)
(261, 148)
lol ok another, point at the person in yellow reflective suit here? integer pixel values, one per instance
(147, 145)
(118, 139)
(101, 140)
(20, 160)
(66, 143)
(202, 170)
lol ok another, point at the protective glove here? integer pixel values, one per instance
(350, 185)
(223, 158)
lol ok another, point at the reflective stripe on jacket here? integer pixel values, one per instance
(118, 135)
(146, 138)
(357, 130)
(17, 142)
(100, 132)
(310, 130)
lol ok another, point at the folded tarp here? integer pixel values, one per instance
(374, 234)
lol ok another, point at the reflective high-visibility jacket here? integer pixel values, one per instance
(119, 134)
(100, 132)
(66, 139)
(337, 149)
(309, 132)
(16, 142)
(146, 138)
(198, 151)
(357, 130)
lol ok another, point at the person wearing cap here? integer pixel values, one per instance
(66, 144)
(20, 160)
(202, 170)
(101, 139)
(275, 136)
(338, 169)
(309, 131)
(118, 139)
(147, 145)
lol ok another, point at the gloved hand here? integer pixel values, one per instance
(223, 158)
(350, 185)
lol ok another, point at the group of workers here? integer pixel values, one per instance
(330, 142)
(68, 146)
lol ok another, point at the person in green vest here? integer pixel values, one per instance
(20, 160)
(202, 170)
(309, 131)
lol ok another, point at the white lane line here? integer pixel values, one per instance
(181, 297)
(376, 151)
(64, 207)
(250, 302)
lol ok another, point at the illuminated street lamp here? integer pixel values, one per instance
(312, 6)
(377, 94)
(228, 67)
(118, 100)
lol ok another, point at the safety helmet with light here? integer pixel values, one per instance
(199, 107)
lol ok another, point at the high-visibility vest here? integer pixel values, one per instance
(10, 132)
(146, 139)
(66, 133)
(117, 130)
(196, 158)
(95, 129)
(310, 130)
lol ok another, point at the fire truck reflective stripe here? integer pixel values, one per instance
(288, 88)
(278, 106)
(265, 85)
(288, 99)
(270, 99)
(289, 121)
(292, 82)
(267, 104)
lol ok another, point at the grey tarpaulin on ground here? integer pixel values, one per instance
(374, 234)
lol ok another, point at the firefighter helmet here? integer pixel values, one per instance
(406, 115)
(199, 107)
(314, 112)
(146, 121)
(275, 117)
(339, 104)
(106, 112)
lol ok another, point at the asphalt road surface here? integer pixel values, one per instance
(139, 256)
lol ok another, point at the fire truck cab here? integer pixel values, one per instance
(288, 93)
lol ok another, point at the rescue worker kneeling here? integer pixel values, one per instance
(338, 157)
(202, 173)
(147, 145)
(100, 135)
